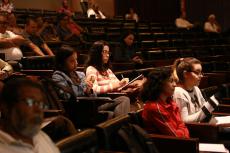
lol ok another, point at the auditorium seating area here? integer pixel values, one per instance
(159, 45)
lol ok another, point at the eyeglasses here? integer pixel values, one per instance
(198, 73)
(106, 52)
(31, 102)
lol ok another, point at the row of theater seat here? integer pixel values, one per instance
(105, 137)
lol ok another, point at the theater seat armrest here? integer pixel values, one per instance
(206, 132)
(52, 112)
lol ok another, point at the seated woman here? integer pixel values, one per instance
(67, 76)
(193, 107)
(161, 113)
(126, 51)
(75, 83)
(104, 80)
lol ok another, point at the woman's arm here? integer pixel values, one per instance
(102, 85)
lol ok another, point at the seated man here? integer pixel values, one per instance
(212, 25)
(182, 23)
(35, 42)
(46, 30)
(22, 114)
(9, 42)
(94, 12)
(68, 30)
(132, 15)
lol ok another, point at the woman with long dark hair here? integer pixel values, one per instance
(104, 80)
(66, 73)
(126, 51)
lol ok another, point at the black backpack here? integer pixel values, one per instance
(137, 139)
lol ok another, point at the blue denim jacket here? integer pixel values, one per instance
(62, 79)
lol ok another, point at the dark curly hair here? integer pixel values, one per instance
(152, 88)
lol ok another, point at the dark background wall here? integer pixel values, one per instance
(168, 10)
(198, 11)
(150, 10)
(154, 10)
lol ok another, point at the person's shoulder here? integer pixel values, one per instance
(110, 71)
(42, 136)
(197, 89)
(150, 106)
(180, 93)
(207, 23)
(178, 19)
(58, 74)
(91, 68)
(90, 10)
(5, 137)
(179, 90)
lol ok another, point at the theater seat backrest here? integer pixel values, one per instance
(84, 141)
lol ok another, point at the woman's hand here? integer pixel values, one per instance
(118, 84)
(124, 81)
(89, 83)
(135, 86)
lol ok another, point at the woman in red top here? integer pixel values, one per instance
(161, 113)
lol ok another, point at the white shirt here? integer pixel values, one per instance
(211, 27)
(190, 104)
(42, 144)
(134, 17)
(182, 23)
(13, 53)
(91, 12)
(6, 8)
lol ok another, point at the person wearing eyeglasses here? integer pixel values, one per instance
(22, 105)
(193, 107)
(104, 80)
